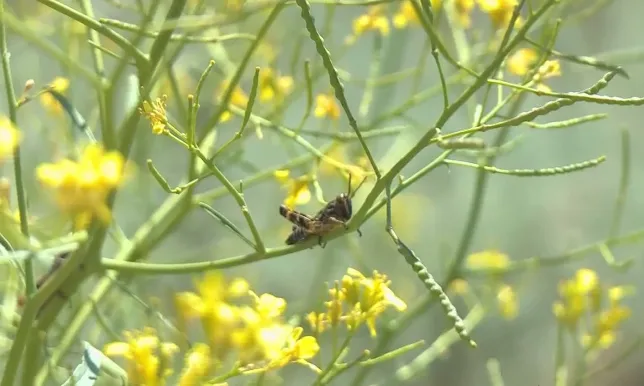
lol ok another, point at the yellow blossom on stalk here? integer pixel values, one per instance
(336, 152)
(463, 10)
(459, 286)
(60, 85)
(238, 98)
(522, 61)
(317, 321)
(263, 334)
(148, 359)
(500, 12)
(155, 112)
(10, 137)
(549, 69)
(297, 188)
(81, 187)
(605, 323)
(326, 107)
(336, 159)
(268, 307)
(580, 294)
(368, 298)
(297, 349)
(374, 19)
(489, 259)
(210, 304)
(259, 338)
(507, 302)
(197, 365)
(334, 306)
(273, 87)
(605, 327)
(406, 14)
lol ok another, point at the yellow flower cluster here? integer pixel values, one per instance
(238, 99)
(583, 295)
(325, 106)
(148, 359)
(155, 112)
(272, 86)
(298, 192)
(51, 105)
(496, 262)
(499, 11)
(9, 138)
(524, 60)
(248, 328)
(374, 19)
(82, 186)
(256, 333)
(356, 300)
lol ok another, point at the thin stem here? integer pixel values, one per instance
(118, 39)
(15, 354)
(624, 181)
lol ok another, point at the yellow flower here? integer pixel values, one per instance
(148, 359)
(522, 61)
(490, 259)
(374, 19)
(507, 301)
(459, 286)
(616, 294)
(369, 297)
(298, 188)
(155, 112)
(60, 85)
(268, 307)
(549, 69)
(407, 15)
(318, 321)
(81, 187)
(326, 106)
(272, 86)
(296, 350)
(580, 294)
(500, 11)
(463, 10)
(211, 305)
(335, 306)
(259, 338)
(197, 365)
(606, 322)
(9, 137)
(238, 98)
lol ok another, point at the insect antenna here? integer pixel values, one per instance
(350, 193)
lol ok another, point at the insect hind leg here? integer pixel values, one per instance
(321, 242)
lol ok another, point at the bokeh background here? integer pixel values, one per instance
(523, 217)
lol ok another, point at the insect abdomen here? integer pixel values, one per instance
(298, 235)
(294, 216)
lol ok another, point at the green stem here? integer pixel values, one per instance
(21, 340)
(118, 39)
(104, 102)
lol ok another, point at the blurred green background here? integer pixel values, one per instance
(523, 217)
